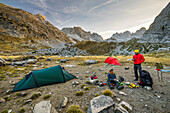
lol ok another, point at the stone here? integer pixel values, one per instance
(87, 72)
(9, 111)
(31, 61)
(118, 99)
(77, 72)
(42, 107)
(122, 93)
(69, 66)
(49, 59)
(2, 62)
(102, 104)
(126, 105)
(63, 61)
(23, 94)
(21, 63)
(2, 100)
(100, 69)
(64, 102)
(34, 68)
(8, 91)
(28, 101)
(120, 109)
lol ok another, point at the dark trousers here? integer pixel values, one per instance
(136, 67)
(112, 81)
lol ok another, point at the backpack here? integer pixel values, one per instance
(145, 79)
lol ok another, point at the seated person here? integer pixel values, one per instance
(112, 78)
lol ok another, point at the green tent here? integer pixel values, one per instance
(43, 77)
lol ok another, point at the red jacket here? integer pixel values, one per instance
(138, 59)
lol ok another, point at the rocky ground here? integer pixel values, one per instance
(141, 100)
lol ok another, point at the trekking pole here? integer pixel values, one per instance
(158, 76)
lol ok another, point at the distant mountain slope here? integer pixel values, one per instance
(125, 36)
(79, 34)
(26, 26)
(159, 30)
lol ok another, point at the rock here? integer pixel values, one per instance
(75, 83)
(2, 62)
(28, 101)
(118, 99)
(2, 100)
(42, 107)
(49, 59)
(122, 93)
(87, 72)
(126, 105)
(77, 72)
(69, 70)
(31, 61)
(120, 109)
(57, 62)
(100, 69)
(90, 62)
(23, 94)
(21, 63)
(9, 111)
(64, 102)
(34, 68)
(63, 61)
(8, 91)
(69, 66)
(90, 67)
(102, 104)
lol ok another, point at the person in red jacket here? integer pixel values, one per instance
(138, 59)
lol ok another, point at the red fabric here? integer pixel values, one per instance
(158, 69)
(111, 72)
(138, 59)
(93, 77)
(111, 60)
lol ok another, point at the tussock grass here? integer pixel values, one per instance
(107, 92)
(74, 109)
(79, 93)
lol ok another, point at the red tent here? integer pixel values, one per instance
(111, 60)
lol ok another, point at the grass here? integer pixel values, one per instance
(82, 86)
(88, 82)
(86, 76)
(4, 111)
(7, 98)
(34, 96)
(96, 95)
(22, 110)
(74, 109)
(107, 92)
(46, 96)
(87, 88)
(80, 93)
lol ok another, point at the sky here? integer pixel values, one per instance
(104, 17)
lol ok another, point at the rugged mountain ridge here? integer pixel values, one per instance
(159, 30)
(79, 34)
(125, 36)
(26, 26)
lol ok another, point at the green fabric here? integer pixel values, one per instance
(43, 77)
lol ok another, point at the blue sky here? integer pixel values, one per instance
(104, 17)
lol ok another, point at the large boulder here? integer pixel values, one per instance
(102, 104)
(2, 62)
(44, 107)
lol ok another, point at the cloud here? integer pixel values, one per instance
(71, 9)
(100, 5)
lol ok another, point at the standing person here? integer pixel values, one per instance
(138, 59)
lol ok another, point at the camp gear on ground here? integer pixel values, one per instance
(92, 81)
(121, 79)
(126, 68)
(44, 77)
(120, 87)
(136, 68)
(93, 77)
(133, 85)
(145, 79)
(120, 83)
(102, 83)
(111, 60)
(138, 58)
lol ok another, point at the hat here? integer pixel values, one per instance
(111, 70)
(136, 51)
